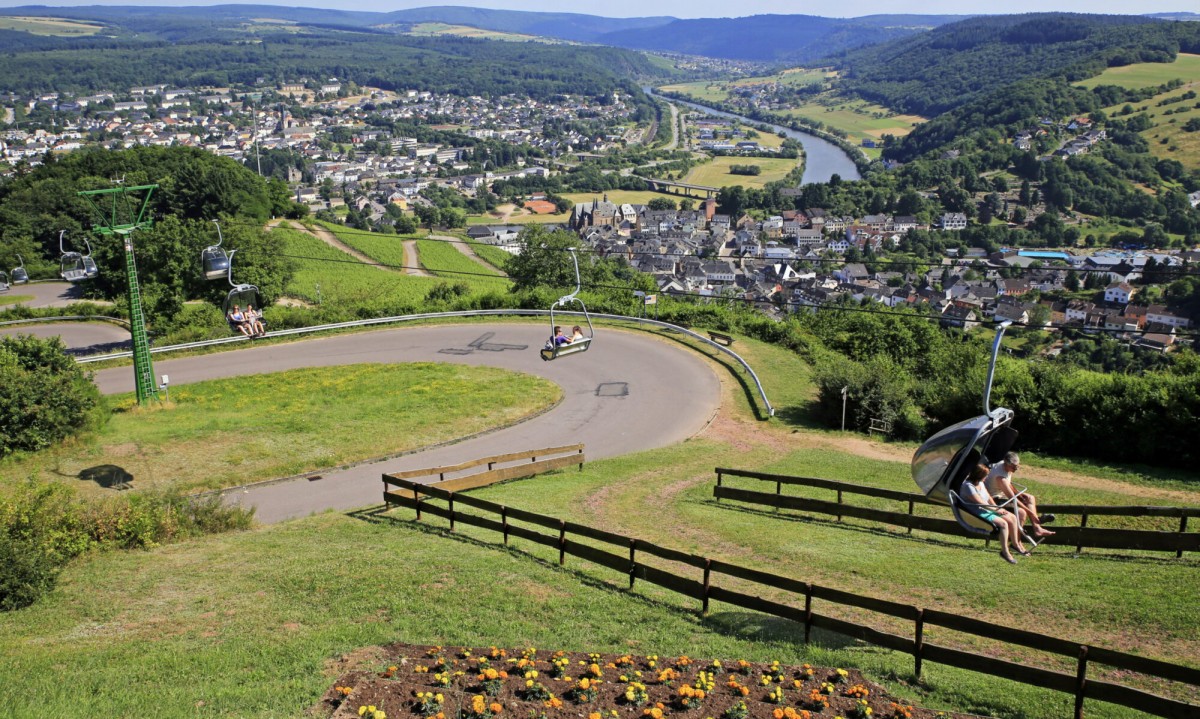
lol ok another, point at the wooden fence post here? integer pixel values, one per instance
(807, 610)
(910, 513)
(451, 500)
(718, 484)
(1082, 525)
(1080, 681)
(417, 499)
(1182, 529)
(707, 584)
(562, 542)
(778, 493)
(839, 505)
(632, 561)
(919, 649)
(504, 521)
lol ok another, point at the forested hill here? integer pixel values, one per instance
(936, 71)
(439, 64)
(773, 38)
(193, 23)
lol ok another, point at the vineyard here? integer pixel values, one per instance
(344, 281)
(445, 260)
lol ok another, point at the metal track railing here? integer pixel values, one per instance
(445, 315)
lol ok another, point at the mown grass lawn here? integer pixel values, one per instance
(229, 432)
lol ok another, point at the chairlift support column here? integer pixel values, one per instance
(120, 208)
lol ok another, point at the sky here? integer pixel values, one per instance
(709, 8)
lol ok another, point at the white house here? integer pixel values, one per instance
(1119, 293)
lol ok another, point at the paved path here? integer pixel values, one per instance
(629, 392)
(48, 294)
(80, 338)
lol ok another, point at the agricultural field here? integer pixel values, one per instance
(441, 28)
(720, 91)
(56, 26)
(716, 173)
(344, 280)
(1168, 112)
(1148, 74)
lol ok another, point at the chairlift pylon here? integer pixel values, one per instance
(76, 267)
(553, 349)
(18, 275)
(214, 259)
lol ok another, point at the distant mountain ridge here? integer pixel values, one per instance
(775, 38)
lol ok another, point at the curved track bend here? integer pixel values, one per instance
(628, 393)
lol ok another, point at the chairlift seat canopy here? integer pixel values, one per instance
(3, 281)
(19, 276)
(943, 460)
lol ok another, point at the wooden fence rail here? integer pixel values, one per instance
(1179, 541)
(405, 493)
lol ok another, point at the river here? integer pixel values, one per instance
(822, 159)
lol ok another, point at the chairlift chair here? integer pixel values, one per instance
(76, 267)
(4, 283)
(553, 350)
(214, 259)
(18, 275)
(943, 462)
(239, 295)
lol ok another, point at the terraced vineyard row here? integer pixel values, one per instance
(344, 280)
(445, 260)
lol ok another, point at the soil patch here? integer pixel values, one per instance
(421, 682)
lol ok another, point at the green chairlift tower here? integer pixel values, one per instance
(118, 217)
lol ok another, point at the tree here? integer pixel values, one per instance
(1071, 282)
(660, 204)
(44, 395)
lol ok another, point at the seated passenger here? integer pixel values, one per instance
(558, 339)
(576, 333)
(975, 495)
(254, 319)
(238, 319)
(999, 486)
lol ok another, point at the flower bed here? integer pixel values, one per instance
(461, 683)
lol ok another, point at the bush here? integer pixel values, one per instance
(44, 395)
(43, 526)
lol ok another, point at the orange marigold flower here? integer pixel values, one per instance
(778, 714)
(496, 708)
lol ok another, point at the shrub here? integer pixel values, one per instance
(44, 395)
(44, 525)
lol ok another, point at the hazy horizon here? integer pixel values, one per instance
(688, 9)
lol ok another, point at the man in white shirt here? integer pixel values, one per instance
(999, 485)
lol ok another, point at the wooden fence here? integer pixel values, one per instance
(1082, 536)
(705, 587)
(551, 458)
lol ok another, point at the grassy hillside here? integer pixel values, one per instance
(1167, 112)
(951, 65)
(260, 623)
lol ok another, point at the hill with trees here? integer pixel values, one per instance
(951, 65)
(772, 38)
